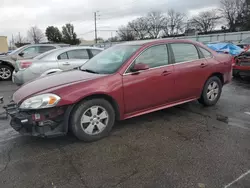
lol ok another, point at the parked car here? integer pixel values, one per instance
(241, 67)
(53, 61)
(7, 62)
(122, 82)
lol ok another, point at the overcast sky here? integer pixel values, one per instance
(18, 15)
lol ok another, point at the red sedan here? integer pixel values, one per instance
(122, 82)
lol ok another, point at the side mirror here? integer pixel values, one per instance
(21, 54)
(139, 67)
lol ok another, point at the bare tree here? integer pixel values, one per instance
(140, 27)
(35, 34)
(19, 38)
(232, 10)
(125, 33)
(205, 21)
(155, 23)
(175, 21)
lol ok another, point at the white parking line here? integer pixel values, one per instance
(239, 178)
(248, 113)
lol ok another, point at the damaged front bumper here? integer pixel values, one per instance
(49, 122)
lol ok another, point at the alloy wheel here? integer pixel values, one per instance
(5, 73)
(212, 91)
(94, 120)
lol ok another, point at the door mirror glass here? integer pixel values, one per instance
(139, 67)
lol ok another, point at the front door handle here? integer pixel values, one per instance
(66, 63)
(165, 73)
(203, 65)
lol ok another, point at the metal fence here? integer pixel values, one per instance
(234, 37)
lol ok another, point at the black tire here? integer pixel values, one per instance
(8, 68)
(75, 122)
(204, 97)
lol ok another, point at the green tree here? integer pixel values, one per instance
(69, 36)
(53, 34)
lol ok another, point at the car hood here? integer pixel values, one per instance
(52, 81)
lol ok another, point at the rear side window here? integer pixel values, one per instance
(95, 52)
(43, 49)
(63, 56)
(155, 56)
(206, 53)
(78, 54)
(184, 52)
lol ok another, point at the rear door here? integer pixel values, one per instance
(191, 70)
(73, 59)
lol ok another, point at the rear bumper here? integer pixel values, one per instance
(42, 123)
(17, 78)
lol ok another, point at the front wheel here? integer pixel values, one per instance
(211, 91)
(5, 72)
(92, 120)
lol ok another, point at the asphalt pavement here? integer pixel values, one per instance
(187, 146)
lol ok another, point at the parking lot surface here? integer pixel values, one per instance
(181, 147)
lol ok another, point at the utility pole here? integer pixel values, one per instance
(95, 14)
(19, 38)
(13, 42)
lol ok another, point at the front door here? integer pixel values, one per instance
(149, 88)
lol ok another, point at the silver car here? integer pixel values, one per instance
(53, 61)
(7, 62)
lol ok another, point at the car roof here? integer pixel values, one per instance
(65, 49)
(157, 41)
(77, 47)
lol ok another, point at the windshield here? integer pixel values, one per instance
(110, 60)
(44, 55)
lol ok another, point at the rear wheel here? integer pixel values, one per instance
(92, 120)
(211, 91)
(5, 72)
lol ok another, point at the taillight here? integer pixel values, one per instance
(25, 65)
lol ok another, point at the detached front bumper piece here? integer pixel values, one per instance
(50, 122)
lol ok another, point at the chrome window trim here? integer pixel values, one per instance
(129, 73)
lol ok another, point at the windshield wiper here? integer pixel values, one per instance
(90, 71)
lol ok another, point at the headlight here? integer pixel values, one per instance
(41, 101)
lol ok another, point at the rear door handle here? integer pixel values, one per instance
(165, 73)
(203, 65)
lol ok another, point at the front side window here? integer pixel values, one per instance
(206, 53)
(184, 52)
(30, 51)
(78, 54)
(110, 60)
(155, 56)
